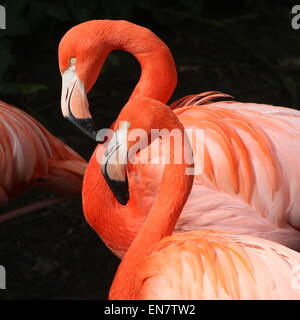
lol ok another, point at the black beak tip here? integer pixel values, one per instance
(86, 125)
(119, 189)
(123, 197)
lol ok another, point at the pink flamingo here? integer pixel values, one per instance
(31, 157)
(251, 177)
(202, 264)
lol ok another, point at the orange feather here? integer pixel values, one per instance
(31, 157)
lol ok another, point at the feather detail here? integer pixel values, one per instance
(216, 265)
(29, 153)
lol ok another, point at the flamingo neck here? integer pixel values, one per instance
(158, 71)
(172, 195)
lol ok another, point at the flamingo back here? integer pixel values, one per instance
(30, 156)
(250, 170)
(210, 264)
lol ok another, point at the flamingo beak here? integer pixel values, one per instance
(114, 164)
(74, 103)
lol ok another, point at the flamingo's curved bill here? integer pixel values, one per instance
(114, 165)
(74, 103)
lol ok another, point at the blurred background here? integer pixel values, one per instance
(244, 48)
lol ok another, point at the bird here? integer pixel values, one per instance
(31, 157)
(198, 265)
(250, 180)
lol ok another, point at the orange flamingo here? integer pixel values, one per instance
(202, 264)
(250, 182)
(33, 158)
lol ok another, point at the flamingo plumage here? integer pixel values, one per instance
(250, 182)
(203, 264)
(31, 157)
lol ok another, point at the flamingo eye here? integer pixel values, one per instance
(72, 61)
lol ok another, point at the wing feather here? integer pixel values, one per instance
(215, 265)
(29, 152)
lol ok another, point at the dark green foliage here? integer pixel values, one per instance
(28, 47)
(36, 25)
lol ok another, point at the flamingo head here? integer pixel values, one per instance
(81, 56)
(122, 146)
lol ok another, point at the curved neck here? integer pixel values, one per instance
(172, 195)
(158, 71)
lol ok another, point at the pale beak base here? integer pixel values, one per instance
(74, 103)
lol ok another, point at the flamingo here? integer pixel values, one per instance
(250, 179)
(31, 157)
(203, 264)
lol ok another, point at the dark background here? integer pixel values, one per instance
(245, 48)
